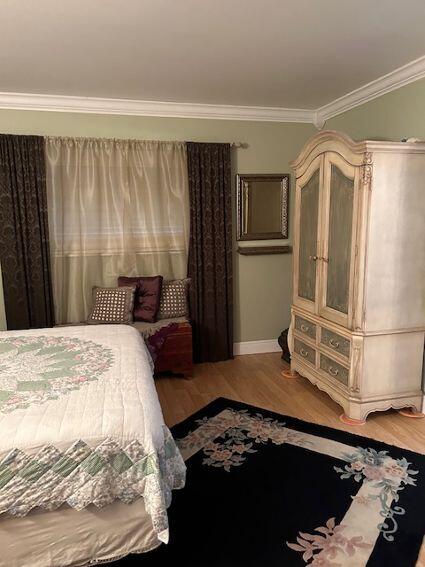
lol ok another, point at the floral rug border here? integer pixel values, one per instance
(228, 438)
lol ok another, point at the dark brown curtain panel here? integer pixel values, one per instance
(24, 239)
(210, 251)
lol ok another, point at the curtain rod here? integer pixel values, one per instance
(237, 145)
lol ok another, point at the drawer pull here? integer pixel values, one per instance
(303, 353)
(304, 328)
(333, 343)
(333, 371)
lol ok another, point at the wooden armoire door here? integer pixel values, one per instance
(306, 235)
(338, 242)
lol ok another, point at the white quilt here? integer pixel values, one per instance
(80, 423)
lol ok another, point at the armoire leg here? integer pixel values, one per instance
(411, 412)
(289, 374)
(350, 420)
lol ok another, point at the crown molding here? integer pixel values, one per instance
(400, 77)
(409, 73)
(93, 105)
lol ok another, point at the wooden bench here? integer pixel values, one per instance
(176, 354)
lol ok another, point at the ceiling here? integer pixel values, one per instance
(277, 53)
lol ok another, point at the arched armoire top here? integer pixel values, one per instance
(356, 153)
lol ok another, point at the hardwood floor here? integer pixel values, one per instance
(255, 379)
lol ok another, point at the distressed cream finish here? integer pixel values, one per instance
(378, 342)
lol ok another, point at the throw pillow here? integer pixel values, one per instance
(147, 296)
(112, 305)
(174, 299)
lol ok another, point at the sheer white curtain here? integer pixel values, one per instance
(116, 207)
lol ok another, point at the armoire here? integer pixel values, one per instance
(358, 311)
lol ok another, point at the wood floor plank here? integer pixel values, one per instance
(257, 380)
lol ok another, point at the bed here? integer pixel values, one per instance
(87, 464)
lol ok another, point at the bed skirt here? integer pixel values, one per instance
(70, 538)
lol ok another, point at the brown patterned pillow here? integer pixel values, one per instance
(174, 300)
(112, 305)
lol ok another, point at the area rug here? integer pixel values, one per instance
(264, 489)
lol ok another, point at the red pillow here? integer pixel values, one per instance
(147, 297)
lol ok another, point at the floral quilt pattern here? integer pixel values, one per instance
(84, 475)
(36, 369)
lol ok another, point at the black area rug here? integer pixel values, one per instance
(269, 490)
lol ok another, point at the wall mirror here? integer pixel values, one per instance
(262, 206)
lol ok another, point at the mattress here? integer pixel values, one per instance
(81, 425)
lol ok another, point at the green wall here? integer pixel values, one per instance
(262, 283)
(393, 116)
(262, 289)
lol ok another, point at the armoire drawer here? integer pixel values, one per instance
(335, 342)
(334, 370)
(305, 327)
(304, 351)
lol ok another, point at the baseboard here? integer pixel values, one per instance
(256, 347)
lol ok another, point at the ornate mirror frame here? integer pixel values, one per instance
(242, 186)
